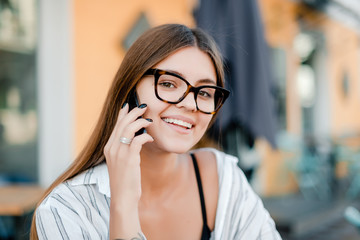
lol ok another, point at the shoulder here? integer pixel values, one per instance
(207, 159)
(82, 192)
(210, 161)
(59, 207)
(220, 170)
(64, 196)
(211, 158)
(235, 200)
(74, 211)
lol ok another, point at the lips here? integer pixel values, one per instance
(178, 122)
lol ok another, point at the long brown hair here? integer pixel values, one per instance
(149, 49)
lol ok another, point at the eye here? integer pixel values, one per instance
(205, 93)
(166, 84)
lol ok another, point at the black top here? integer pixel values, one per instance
(205, 235)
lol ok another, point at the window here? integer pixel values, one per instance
(18, 110)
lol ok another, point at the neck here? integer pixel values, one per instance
(158, 171)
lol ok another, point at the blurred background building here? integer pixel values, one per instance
(58, 58)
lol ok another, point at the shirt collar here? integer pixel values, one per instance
(97, 175)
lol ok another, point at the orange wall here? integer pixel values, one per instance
(99, 29)
(280, 29)
(344, 54)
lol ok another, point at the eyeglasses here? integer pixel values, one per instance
(172, 88)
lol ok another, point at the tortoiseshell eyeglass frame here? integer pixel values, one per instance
(158, 72)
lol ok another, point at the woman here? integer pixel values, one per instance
(170, 83)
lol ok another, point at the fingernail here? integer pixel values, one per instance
(149, 119)
(144, 105)
(124, 105)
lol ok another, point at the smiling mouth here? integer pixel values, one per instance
(178, 122)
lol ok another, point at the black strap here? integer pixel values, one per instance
(206, 230)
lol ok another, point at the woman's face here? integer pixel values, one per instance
(178, 127)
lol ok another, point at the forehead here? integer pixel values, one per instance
(192, 63)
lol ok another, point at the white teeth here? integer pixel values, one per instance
(178, 122)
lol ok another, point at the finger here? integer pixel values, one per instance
(122, 113)
(139, 141)
(124, 141)
(130, 130)
(135, 113)
(121, 145)
(132, 148)
(124, 120)
(131, 117)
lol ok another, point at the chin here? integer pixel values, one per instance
(173, 142)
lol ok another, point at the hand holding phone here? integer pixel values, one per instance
(123, 164)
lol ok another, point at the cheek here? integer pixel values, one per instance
(155, 107)
(146, 95)
(145, 90)
(205, 120)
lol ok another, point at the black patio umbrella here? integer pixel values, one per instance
(236, 26)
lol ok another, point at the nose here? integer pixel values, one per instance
(188, 102)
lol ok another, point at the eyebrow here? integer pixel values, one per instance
(205, 80)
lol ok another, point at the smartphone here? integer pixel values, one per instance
(133, 103)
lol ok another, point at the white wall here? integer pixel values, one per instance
(55, 88)
(322, 108)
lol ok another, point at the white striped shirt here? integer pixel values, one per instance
(79, 208)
